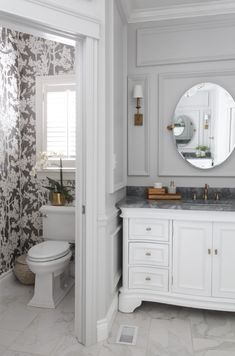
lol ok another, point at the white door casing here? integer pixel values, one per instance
(86, 165)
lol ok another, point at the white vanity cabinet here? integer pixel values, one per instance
(223, 277)
(178, 257)
(191, 254)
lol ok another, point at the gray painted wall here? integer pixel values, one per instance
(168, 58)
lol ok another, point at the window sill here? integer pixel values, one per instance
(54, 173)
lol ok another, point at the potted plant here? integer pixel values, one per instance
(59, 193)
(201, 151)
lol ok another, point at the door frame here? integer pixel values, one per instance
(86, 164)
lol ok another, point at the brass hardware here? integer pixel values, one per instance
(138, 119)
(216, 252)
(148, 229)
(209, 251)
(148, 279)
(206, 192)
(170, 127)
(148, 254)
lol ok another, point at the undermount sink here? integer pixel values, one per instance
(194, 204)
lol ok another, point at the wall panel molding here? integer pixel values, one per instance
(171, 87)
(116, 93)
(179, 44)
(138, 136)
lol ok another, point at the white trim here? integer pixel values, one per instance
(115, 278)
(152, 34)
(208, 8)
(64, 10)
(125, 8)
(86, 186)
(111, 8)
(29, 12)
(86, 177)
(104, 325)
(43, 85)
(210, 303)
(53, 173)
(104, 220)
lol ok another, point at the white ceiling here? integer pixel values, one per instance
(156, 10)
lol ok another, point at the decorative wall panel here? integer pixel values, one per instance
(180, 44)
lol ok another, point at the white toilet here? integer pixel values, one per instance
(50, 260)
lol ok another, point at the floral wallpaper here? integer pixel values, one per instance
(10, 198)
(22, 58)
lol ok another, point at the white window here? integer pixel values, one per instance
(56, 119)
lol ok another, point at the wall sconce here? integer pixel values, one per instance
(138, 94)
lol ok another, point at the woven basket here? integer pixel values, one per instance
(22, 271)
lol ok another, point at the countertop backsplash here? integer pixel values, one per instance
(187, 192)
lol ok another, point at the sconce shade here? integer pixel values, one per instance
(138, 91)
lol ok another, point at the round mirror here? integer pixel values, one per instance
(204, 125)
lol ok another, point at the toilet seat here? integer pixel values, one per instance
(48, 251)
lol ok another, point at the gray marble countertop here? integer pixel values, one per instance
(199, 205)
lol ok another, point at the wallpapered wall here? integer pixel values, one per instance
(22, 58)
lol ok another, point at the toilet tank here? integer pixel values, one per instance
(58, 222)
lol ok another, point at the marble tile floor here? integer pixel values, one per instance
(163, 330)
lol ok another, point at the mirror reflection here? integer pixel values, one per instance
(204, 125)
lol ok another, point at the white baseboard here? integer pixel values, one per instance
(6, 278)
(104, 325)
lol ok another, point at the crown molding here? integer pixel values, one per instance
(125, 8)
(208, 8)
(64, 9)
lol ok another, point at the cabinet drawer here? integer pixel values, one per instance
(148, 254)
(149, 229)
(148, 278)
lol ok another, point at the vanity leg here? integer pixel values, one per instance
(127, 304)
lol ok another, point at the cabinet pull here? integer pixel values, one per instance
(209, 251)
(148, 279)
(148, 254)
(148, 229)
(216, 252)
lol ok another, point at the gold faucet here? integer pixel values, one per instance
(206, 192)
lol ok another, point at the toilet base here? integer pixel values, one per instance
(49, 289)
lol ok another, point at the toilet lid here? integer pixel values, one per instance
(49, 250)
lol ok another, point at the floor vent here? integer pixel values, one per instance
(127, 335)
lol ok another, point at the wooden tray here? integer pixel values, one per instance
(166, 196)
(151, 191)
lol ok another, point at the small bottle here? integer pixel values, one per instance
(172, 188)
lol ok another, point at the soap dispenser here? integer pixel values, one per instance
(172, 188)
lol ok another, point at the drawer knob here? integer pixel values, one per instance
(148, 254)
(148, 229)
(148, 279)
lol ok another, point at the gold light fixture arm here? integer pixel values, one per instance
(170, 127)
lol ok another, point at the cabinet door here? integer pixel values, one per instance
(223, 260)
(192, 262)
